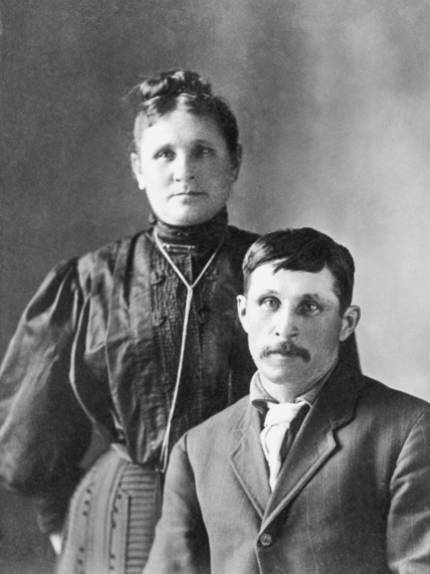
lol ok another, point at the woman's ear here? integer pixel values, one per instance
(137, 170)
(350, 320)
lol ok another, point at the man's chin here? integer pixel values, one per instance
(282, 376)
(281, 366)
(295, 373)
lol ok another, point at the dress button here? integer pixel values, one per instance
(266, 539)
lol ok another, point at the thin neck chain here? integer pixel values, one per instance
(189, 287)
(176, 268)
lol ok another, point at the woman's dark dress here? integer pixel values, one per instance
(97, 350)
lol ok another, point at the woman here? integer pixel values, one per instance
(135, 342)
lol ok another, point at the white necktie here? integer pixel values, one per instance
(278, 420)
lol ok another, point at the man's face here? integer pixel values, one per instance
(293, 323)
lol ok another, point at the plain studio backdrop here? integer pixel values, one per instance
(333, 102)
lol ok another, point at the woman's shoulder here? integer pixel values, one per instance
(241, 237)
(98, 265)
(105, 258)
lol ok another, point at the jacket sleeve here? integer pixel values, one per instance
(181, 544)
(408, 525)
(44, 431)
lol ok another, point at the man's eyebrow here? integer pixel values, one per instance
(315, 296)
(312, 295)
(202, 140)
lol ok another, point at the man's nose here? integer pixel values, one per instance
(183, 168)
(286, 325)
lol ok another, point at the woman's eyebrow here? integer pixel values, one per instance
(265, 291)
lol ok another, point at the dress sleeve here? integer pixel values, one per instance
(44, 431)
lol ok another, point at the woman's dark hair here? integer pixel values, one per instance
(304, 249)
(160, 94)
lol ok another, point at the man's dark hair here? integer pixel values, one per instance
(304, 249)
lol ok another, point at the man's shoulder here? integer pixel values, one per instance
(382, 391)
(347, 379)
(391, 406)
(352, 397)
(221, 423)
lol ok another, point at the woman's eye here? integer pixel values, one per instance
(269, 303)
(165, 154)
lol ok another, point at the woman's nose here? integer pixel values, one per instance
(183, 168)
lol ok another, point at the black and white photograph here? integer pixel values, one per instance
(214, 287)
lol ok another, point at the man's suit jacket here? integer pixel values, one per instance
(353, 495)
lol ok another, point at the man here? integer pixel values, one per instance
(339, 482)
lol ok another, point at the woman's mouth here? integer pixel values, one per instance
(188, 194)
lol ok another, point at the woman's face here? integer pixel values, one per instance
(183, 164)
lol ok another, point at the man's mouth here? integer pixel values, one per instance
(287, 350)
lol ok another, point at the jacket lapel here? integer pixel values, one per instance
(315, 442)
(247, 459)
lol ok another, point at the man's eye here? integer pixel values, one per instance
(308, 308)
(202, 151)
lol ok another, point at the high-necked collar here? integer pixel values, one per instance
(206, 235)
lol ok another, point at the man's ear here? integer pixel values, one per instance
(137, 171)
(350, 320)
(241, 311)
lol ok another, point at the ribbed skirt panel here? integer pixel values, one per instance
(112, 518)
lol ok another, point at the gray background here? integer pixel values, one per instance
(332, 97)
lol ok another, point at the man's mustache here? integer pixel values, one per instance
(287, 349)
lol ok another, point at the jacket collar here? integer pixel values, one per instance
(248, 460)
(313, 446)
